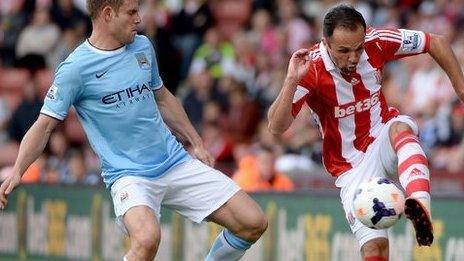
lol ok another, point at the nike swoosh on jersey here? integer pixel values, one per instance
(100, 75)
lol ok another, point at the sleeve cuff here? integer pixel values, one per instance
(52, 114)
(427, 42)
(158, 86)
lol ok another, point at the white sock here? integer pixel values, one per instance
(227, 247)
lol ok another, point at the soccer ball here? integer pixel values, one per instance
(378, 203)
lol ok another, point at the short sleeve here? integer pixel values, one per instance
(304, 90)
(156, 82)
(64, 92)
(398, 43)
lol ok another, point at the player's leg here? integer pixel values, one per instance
(414, 177)
(137, 203)
(244, 221)
(373, 243)
(144, 233)
(375, 249)
(201, 193)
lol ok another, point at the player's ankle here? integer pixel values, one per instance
(422, 197)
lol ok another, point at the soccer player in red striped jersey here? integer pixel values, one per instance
(340, 80)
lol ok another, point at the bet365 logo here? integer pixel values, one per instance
(360, 106)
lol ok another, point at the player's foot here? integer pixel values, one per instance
(420, 218)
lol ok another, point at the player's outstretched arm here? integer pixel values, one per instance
(442, 53)
(280, 113)
(177, 120)
(30, 149)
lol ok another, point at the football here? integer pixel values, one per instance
(378, 203)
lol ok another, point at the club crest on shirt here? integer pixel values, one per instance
(52, 92)
(142, 60)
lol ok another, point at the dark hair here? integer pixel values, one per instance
(342, 16)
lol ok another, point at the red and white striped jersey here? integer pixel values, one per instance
(350, 109)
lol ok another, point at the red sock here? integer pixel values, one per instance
(413, 167)
(375, 258)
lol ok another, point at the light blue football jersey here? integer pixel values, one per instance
(112, 94)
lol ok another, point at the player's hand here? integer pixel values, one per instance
(202, 154)
(7, 186)
(298, 65)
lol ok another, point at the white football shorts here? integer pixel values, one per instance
(380, 160)
(192, 189)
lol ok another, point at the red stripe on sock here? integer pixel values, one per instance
(403, 134)
(404, 141)
(414, 159)
(375, 258)
(417, 185)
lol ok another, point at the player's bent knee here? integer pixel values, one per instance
(398, 127)
(254, 227)
(260, 225)
(143, 231)
(145, 242)
(377, 247)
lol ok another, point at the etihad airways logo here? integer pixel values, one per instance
(137, 92)
(360, 106)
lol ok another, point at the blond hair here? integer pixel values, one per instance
(96, 6)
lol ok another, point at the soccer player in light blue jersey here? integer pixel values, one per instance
(112, 81)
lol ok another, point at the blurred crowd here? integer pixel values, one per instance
(226, 61)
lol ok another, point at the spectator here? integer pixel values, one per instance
(214, 55)
(266, 139)
(244, 70)
(40, 37)
(243, 114)
(26, 113)
(57, 166)
(220, 145)
(264, 36)
(77, 170)
(298, 32)
(258, 173)
(263, 73)
(199, 93)
(12, 21)
(189, 25)
(156, 21)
